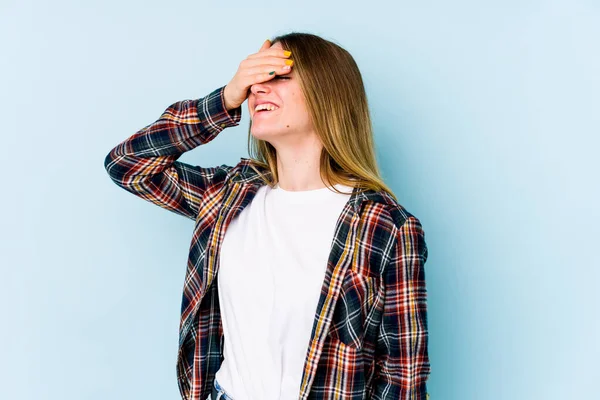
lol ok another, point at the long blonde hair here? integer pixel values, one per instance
(337, 103)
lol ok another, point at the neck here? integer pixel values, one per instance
(298, 166)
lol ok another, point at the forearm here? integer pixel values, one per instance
(183, 126)
(145, 163)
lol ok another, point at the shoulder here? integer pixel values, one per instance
(384, 210)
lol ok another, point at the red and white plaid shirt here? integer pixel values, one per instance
(369, 337)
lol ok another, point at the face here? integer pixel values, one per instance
(290, 121)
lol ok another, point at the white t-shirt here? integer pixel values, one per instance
(272, 266)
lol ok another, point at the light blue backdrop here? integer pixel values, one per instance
(486, 115)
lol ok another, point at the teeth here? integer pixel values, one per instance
(265, 106)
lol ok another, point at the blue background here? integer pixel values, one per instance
(486, 118)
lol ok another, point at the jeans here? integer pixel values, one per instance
(218, 393)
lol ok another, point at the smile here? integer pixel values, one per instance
(265, 112)
(265, 106)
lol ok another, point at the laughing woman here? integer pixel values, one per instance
(305, 277)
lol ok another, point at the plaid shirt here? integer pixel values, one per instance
(369, 336)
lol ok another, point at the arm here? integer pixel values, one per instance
(145, 163)
(401, 359)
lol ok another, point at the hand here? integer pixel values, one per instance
(255, 69)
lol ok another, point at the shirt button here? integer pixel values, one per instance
(222, 125)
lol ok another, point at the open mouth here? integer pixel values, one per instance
(265, 111)
(265, 107)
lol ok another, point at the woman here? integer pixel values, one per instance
(320, 284)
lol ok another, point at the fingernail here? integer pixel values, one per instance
(271, 73)
(287, 53)
(289, 62)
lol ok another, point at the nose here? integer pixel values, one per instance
(260, 88)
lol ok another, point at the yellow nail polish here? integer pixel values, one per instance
(289, 62)
(287, 53)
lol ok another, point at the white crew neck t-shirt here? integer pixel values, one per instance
(272, 266)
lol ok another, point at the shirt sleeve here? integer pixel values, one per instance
(401, 360)
(145, 163)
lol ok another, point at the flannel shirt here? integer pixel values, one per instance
(369, 338)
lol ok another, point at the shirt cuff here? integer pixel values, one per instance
(211, 108)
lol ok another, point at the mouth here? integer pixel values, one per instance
(261, 112)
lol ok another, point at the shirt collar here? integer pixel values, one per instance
(246, 175)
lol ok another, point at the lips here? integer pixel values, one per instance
(265, 112)
(266, 106)
(259, 102)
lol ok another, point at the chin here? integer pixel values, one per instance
(262, 134)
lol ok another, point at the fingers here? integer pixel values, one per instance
(266, 70)
(274, 61)
(270, 51)
(265, 65)
(266, 44)
(259, 69)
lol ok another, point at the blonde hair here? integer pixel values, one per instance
(337, 103)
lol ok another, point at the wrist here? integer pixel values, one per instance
(226, 104)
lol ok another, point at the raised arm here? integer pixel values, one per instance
(145, 163)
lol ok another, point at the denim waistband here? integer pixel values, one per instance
(218, 393)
